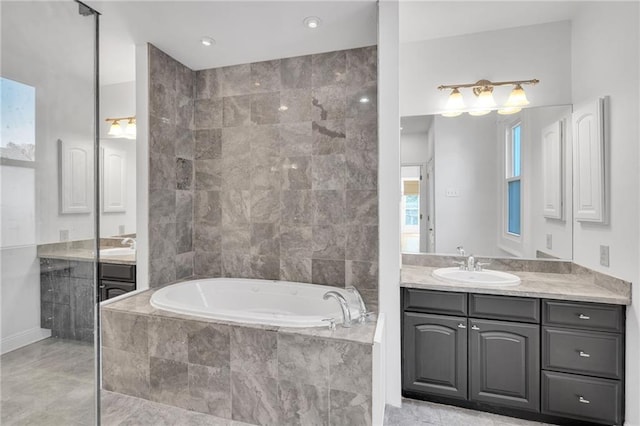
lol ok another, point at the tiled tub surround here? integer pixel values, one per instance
(542, 279)
(277, 180)
(254, 374)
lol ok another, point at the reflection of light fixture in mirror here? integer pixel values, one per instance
(131, 127)
(117, 131)
(483, 89)
(312, 22)
(517, 99)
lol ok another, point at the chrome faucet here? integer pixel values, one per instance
(346, 313)
(460, 250)
(471, 263)
(364, 314)
(129, 241)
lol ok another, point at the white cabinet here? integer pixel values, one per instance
(552, 149)
(76, 162)
(589, 147)
(114, 190)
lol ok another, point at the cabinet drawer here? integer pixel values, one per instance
(522, 309)
(437, 302)
(590, 316)
(112, 271)
(593, 353)
(583, 398)
(110, 289)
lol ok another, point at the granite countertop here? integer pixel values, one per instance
(575, 287)
(140, 304)
(83, 251)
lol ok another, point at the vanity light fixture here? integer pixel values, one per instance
(312, 22)
(207, 41)
(483, 90)
(116, 129)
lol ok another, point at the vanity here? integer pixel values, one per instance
(547, 349)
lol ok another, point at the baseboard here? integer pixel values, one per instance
(23, 338)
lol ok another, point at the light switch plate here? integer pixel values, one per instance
(549, 241)
(604, 255)
(64, 235)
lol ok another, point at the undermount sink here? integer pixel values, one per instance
(484, 277)
(117, 252)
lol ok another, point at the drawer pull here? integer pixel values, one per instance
(462, 325)
(584, 401)
(475, 327)
(584, 354)
(584, 317)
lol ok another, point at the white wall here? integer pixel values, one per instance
(466, 160)
(605, 56)
(538, 51)
(535, 120)
(389, 190)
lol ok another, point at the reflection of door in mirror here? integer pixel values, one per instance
(411, 214)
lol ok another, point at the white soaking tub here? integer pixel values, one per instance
(277, 303)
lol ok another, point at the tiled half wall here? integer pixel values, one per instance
(253, 375)
(266, 170)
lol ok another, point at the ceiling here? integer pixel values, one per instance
(245, 31)
(426, 20)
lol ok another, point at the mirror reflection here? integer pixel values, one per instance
(492, 185)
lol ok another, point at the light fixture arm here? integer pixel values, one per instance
(121, 118)
(480, 84)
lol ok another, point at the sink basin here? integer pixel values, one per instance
(486, 277)
(117, 252)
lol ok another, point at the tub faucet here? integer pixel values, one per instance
(130, 241)
(460, 250)
(346, 313)
(364, 314)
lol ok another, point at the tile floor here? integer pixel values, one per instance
(50, 383)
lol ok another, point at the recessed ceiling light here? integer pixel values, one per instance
(207, 41)
(312, 22)
(364, 100)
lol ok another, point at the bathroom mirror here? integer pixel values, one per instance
(495, 185)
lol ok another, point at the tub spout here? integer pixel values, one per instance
(346, 313)
(362, 317)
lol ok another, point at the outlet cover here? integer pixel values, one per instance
(604, 255)
(549, 241)
(452, 192)
(64, 235)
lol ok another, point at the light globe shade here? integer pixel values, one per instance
(131, 127)
(451, 113)
(509, 110)
(115, 129)
(479, 112)
(485, 100)
(517, 98)
(455, 101)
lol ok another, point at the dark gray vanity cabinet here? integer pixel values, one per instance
(504, 363)
(435, 348)
(546, 360)
(116, 279)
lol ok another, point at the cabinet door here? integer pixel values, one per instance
(504, 363)
(435, 354)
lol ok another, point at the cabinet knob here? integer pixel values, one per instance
(475, 327)
(461, 325)
(584, 401)
(583, 354)
(584, 317)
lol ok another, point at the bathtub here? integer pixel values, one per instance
(276, 303)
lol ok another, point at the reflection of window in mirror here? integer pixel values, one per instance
(513, 179)
(18, 136)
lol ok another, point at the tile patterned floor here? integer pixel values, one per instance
(50, 383)
(421, 413)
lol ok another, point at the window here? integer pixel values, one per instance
(18, 135)
(513, 179)
(411, 210)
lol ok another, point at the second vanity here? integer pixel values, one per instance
(550, 349)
